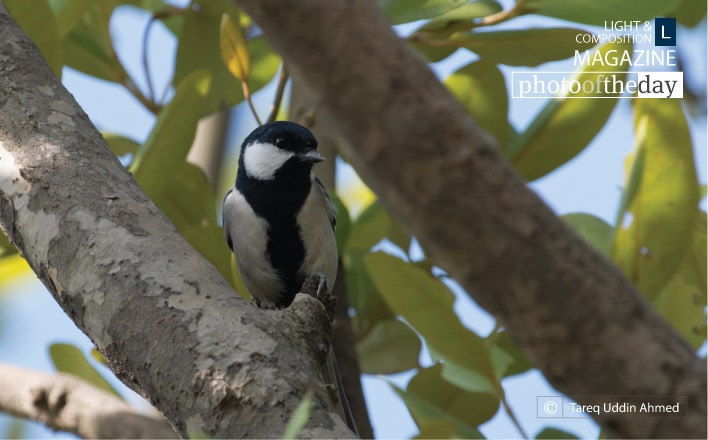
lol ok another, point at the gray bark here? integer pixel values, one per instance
(169, 325)
(582, 323)
(64, 402)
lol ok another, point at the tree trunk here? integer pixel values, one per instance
(573, 313)
(169, 325)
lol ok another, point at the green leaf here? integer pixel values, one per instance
(554, 434)
(433, 53)
(405, 11)
(655, 233)
(120, 145)
(299, 418)
(344, 223)
(210, 242)
(84, 51)
(37, 20)
(683, 301)
(369, 228)
(389, 347)
(695, 266)
(88, 47)
(366, 302)
(472, 409)
(6, 249)
(689, 12)
(188, 199)
(233, 49)
(425, 302)
(68, 358)
(519, 362)
(481, 89)
(598, 12)
(68, 13)
(594, 230)
(568, 123)
(527, 47)
(199, 49)
(432, 421)
(681, 304)
(165, 150)
(461, 18)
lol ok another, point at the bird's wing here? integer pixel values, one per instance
(225, 223)
(331, 209)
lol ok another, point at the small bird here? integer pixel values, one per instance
(279, 223)
(278, 219)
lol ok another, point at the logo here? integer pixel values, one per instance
(665, 32)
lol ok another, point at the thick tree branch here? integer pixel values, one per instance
(66, 403)
(164, 318)
(576, 316)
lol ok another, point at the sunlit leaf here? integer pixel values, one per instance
(599, 12)
(425, 302)
(233, 49)
(681, 304)
(405, 11)
(527, 47)
(166, 148)
(199, 49)
(6, 248)
(655, 233)
(568, 123)
(695, 266)
(389, 347)
(481, 89)
(68, 358)
(37, 20)
(593, 230)
(14, 268)
(299, 417)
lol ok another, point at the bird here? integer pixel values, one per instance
(279, 223)
(278, 219)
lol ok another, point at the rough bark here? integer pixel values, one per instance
(574, 314)
(66, 403)
(169, 325)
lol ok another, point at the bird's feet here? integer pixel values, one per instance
(317, 286)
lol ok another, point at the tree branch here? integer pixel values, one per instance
(66, 403)
(166, 321)
(574, 314)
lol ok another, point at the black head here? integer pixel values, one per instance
(275, 146)
(284, 135)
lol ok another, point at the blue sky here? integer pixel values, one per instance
(590, 183)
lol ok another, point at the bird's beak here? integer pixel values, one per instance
(311, 156)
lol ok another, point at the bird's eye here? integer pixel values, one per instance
(279, 141)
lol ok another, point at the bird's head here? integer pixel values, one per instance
(278, 147)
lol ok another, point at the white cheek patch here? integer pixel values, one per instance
(263, 160)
